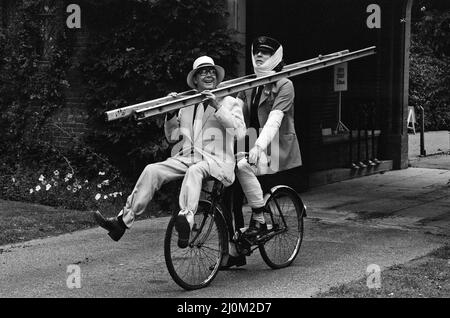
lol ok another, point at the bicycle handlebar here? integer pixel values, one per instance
(245, 153)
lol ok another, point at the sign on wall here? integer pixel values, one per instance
(340, 77)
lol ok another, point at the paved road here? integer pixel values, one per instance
(438, 161)
(434, 142)
(383, 219)
(135, 267)
(351, 224)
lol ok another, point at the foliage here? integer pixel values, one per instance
(429, 88)
(430, 62)
(30, 89)
(77, 178)
(144, 51)
(431, 26)
(64, 189)
(140, 50)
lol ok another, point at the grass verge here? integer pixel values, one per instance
(22, 221)
(428, 276)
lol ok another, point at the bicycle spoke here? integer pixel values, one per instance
(208, 256)
(212, 249)
(281, 249)
(196, 265)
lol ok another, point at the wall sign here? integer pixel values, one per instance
(340, 77)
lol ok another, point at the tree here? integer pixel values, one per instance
(144, 50)
(430, 62)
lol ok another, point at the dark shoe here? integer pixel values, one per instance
(255, 228)
(184, 230)
(234, 261)
(115, 226)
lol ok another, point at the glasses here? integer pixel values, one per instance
(207, 71)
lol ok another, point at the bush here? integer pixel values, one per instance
(429, 88)
(77, 179)
(30, 89)
(430, 62)
(65, 190)
(142, 50)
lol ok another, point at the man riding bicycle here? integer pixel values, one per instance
(269, 116)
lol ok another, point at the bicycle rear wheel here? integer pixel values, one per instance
(286, 227)
(196, 265)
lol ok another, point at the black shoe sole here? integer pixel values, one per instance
(100, 220)
(115, 234)
(183, 229)
(255, 233)
(235, 261)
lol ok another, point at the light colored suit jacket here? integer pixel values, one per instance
(214, 142)
(276, 117)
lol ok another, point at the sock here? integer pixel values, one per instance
(232, 250)
(189, 216)
(258, 215)
(122, 224)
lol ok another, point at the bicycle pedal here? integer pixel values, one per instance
(266, 236)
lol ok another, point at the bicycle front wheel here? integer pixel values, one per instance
(286, 226)
(196, 265)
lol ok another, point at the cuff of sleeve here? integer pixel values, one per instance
(169, 116)
(258, 144)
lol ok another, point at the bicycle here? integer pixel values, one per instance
(197, 265)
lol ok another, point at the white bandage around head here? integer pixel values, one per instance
(267, 67)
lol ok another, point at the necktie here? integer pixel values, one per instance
(198, 115)
(256, 96)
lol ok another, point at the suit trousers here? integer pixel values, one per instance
(155, 175)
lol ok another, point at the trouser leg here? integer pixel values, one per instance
(151, 179)
(250, 184)
(232, 200)
(238, 198)
(192, 186)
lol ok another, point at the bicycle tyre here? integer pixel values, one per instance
(282, 249)
(204, 253)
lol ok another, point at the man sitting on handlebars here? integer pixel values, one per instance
(208, 131)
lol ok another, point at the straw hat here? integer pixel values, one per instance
(201, 62)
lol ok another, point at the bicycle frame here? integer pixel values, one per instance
(217, 216)
(216, 198)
